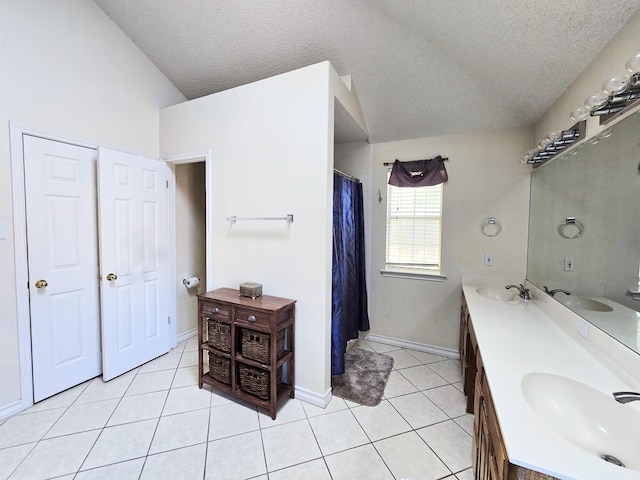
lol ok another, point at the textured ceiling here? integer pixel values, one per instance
(421, 68)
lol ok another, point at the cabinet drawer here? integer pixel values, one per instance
(213, 310)
(253, 317)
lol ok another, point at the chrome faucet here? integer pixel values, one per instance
(626, 397)
(522, 292)
(555, 290)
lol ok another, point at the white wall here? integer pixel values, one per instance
(67, 70)
(486, 179)
(190, 243)
(272, 155)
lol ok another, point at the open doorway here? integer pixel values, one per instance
(190, 243)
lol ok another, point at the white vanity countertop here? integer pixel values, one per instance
(516, 338)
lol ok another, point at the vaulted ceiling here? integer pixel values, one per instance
(420, 67)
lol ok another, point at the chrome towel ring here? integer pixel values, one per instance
(490, 227)
(571, 228)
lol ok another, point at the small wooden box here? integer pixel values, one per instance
(250, 289)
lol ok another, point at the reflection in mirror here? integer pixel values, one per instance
(599, 184)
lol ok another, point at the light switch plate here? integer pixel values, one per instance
(582, 328)
(488, 259)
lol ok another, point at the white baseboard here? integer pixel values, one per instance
(187, 335)
(313, 398)
(421, 347)
(10, 409)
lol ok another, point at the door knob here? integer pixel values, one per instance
(41, 284)
(112, 276)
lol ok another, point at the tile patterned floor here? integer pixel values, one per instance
(154, 423)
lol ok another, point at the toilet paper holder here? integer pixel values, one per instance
(191, 282)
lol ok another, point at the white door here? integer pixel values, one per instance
(134, 260)
(62, 246)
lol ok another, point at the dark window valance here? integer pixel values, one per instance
(418, 173)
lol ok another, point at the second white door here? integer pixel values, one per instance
(133, 259)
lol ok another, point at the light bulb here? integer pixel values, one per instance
(633, 64)
(596, 101)
(579, 114)
(616, 85)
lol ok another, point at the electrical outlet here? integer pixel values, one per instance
(488, 259)
(582, 328)
(569, 264)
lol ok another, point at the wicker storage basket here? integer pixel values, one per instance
(219, 335)
(256, 381)
(256, 345)
(220, 368)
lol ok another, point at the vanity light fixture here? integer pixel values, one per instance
(555, 143)
(619, 92)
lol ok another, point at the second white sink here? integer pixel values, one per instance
(586, 417)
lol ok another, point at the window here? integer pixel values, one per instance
(414, 221)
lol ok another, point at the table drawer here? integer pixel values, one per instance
(213, 310)
(253, 317)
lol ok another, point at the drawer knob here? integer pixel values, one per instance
(216, 310)
(252, 318)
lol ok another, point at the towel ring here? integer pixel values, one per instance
(571, 228)
(490, 227)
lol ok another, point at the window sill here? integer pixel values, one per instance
(430, 277)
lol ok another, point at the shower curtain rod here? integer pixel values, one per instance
(346, 175)
(388, 164)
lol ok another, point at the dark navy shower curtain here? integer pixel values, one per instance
(349, 302)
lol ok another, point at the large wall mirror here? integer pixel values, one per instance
(584, 230)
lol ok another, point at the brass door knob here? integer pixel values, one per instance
(112, 276)
(41, 284)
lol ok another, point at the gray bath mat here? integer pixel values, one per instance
(365, 377)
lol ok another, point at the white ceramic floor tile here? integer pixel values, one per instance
(56, 456)
(120, 443)
(185, 377)
(408, 458)
(465, 475)
(450, 442)
(138, 407)
(180, 430)
(466, 422)
(459, 386)
(381, 347)
(189, 359)
(381, 421)
(11, 457)
(186, 399)
(448, 369)
(151, 382)
(423, 377)
(184, 463)
(418, 410)
(99, 390)
(337, 431)
(129, 470)
(62, 399)
(191, 344)
(403, 359)
(83, 417)
(398, 385)
(335, 404)
(290, 411)
(313, 470)
(232, 419)
(27, 428)
(221, 398)
(425, 357)
(236, 457)
(168, 361)
(362, 462)
(451, 400)
(289, 444)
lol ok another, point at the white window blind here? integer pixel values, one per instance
(414, 220)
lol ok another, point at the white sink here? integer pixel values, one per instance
(501, 294)
(583, 303)
(588, 418)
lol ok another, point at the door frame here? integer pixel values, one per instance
(172, 161)
(16, 132)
